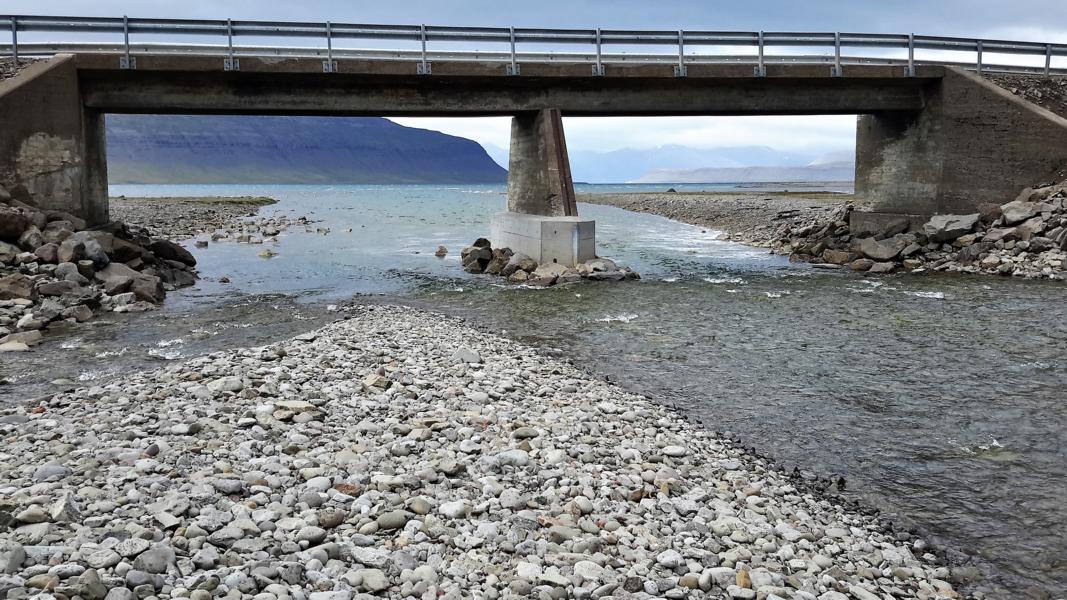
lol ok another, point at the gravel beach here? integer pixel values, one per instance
(399, 453)
(742, 216)
(179, 218)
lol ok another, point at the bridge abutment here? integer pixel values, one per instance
(52, 148)
(972, 142)
(542, 217)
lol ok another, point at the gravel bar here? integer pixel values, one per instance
(404, 454)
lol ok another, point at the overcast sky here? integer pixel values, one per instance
(1035, 20)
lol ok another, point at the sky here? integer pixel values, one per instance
(1031, 20)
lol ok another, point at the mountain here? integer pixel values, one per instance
(834, 166)
(631, 163)
(268, 149)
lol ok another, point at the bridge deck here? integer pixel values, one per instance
(297, 85)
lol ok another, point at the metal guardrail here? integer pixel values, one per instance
(675, 44)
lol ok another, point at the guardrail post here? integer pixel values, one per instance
(911, 55)
(598, 68)
(126, 61)
(423, 68)
(1048, 59)
(328, 66)
(513, 68)
(679, 70)
(837, 71)
(230, 63)
(15, 40)
(761, 67)
(979, 47)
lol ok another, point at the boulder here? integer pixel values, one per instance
(58, 288)
(882, 267)
(56, 235)
(837, 257)
(601, 264)
(881, 229)
(123, 251)
(48, 253)
(77, 223)
(168, 250)
(989, 212)
(971, 254)
(148, 289)
(944, 228)
(861, 264)
(1018, 211)
(882, 250)
(441, 250)
(31, 239)
(8, 252)
(15, 286)
(549, 270)
(12, 223)
(71, 251)
(105, 239)
(519, 262)
(1005, 234)
(481, 243)
(501, 256)
(1030, 228)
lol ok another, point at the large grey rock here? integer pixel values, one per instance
(171, 251)
(12, 555)
(8, 252)
(882, 250)
(944, 228)
(12, 223)
(16, 286)
(518, 262)
(31, 239)
(1018, 211)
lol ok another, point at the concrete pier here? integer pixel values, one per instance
(542, 217)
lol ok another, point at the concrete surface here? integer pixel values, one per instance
(51, 148)
(564, 240)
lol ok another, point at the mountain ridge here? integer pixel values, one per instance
(162, 149)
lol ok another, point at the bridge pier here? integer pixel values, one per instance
(52, 148)
(972, 142)
(542, 216)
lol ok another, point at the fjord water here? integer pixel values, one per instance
(940, 399)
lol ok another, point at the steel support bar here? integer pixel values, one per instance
(979, 46)
(423, 68)
(231, 63)
(761, 67)
(911, 55)
(837, 71)
(598, 68)
(1048, 59)
(15, 40)
(329, 66)
(513, 68)
(126, 61)
(679, 70)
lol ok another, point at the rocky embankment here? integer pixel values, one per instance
(1047, 92)
(55, 269)
(1026, 237)
(404, 454)
(481, 257)
(9, 68)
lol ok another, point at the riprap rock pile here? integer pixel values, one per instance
(481, 257)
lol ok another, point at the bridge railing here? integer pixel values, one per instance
(599, 46)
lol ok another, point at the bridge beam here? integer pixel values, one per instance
(542, 217)
(52, 150)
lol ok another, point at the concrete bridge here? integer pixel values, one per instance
(930, 138)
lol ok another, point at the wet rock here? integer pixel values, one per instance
(943, 228)
(169, 250)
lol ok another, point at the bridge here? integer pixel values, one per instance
(933, 135)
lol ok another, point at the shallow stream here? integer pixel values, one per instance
(940, 399)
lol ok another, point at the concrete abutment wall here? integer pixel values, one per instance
(973, 142)
(52, 149)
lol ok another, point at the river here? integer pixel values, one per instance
(940, 399)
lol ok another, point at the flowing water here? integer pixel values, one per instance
(940, 399)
